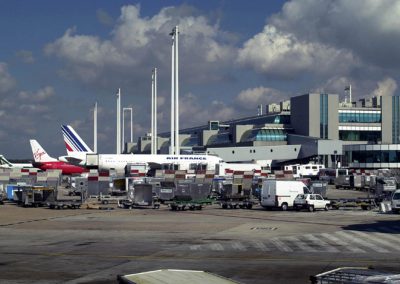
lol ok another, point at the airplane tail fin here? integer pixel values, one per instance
(39, 154)
(73, 142)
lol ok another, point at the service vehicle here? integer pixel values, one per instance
(281, 193)
(307, 170)
(396, 201)
(310, 202)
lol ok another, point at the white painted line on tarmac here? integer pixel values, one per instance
(261, 246)
(321, 243)
(195, 247)
(377, 239)
(238, 246)
(217, 247)
(391, 237)
(351, 237)
(300, 244)
(340, 242)
(281, 246)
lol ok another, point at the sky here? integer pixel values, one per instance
(57, 58)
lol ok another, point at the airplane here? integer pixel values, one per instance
(44, 162)
(5, 164)
(76, 147)
(78, 153)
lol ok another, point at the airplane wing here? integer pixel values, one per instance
(71, 160)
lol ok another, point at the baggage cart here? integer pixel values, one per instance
(139, 195)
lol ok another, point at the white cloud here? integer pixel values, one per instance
(251, 98)
(40, 95)
(137, 43)
(192, 111)
(386, 87)
(367, 28)
(7, 82)
(280, 53)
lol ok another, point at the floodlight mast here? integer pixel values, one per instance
(119, 121)
(154, 111)
(172, 134)
(95, 128)
(175, 143)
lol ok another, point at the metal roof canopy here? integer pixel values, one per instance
(173, 276)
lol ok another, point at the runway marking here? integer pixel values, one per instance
(300, 244)
(321, 243)
(280, 245)
(261, 246)
(385, 235)
(361, 242)
(342, 243)
(217, 246)
(377, 239)
(195, 247)
(238, 246)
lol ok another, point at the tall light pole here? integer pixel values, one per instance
(95, 128)
(175, 143)
(152, 113)
(154, 137)
(119, 121)
(172, 139)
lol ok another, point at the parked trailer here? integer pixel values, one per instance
(353, 275)
(35, 196)
(58, 200)
(191, 195)
(363, 203)
(319, 187)
(234, 196)
(139, 195)
(183, 202)
(343, 181)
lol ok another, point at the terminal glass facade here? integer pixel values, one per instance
(360, 116)
(382, 156)
(356, 135)
(190, 142)
(324, 116)
(264, 135)
(220, 138)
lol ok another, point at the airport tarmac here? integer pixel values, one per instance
(39, 245)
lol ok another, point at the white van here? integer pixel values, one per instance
(396, 201)
(281, 193)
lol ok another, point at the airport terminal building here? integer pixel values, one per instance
(311, 127)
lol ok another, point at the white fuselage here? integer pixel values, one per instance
(184, 162)
(5, 164)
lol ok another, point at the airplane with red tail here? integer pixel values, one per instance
(44, 162)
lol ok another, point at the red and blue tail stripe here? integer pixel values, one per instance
(72, 140)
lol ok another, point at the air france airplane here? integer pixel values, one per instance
(78, 152)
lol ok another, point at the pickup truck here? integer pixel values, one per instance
(310, 202)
